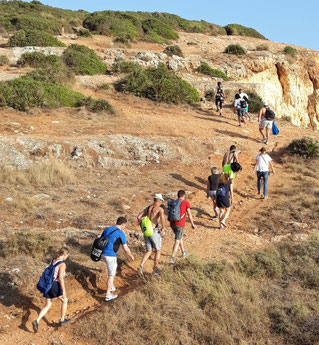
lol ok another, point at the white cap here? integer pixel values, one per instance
(158, 196)
(266, 104)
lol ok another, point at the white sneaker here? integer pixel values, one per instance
(185, 255)
(110, 297)
(172, 261)
(113, 288)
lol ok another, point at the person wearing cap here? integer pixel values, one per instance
(179, 226)
(264, 123)
(156, 214)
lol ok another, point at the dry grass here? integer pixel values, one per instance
(270, 297)
(43, 174)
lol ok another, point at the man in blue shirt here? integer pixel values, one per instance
(116, 238)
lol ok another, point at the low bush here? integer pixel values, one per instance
(173, 50)
(97, 105)
(240, 30)
(235, 49)
(84, 33)
(255, 102)
(25, 93)
(4, 60)
(262, 47)
(206, 69)
(103, 86)
(36, 245)
(83, 60)
(210, 95)
(24, 38)
(154, 26)
(304, 147)
(123, 39)
(125, 67)
(261, 299)
(290, 51)
(159, 84)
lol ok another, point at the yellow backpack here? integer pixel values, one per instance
(147, 226)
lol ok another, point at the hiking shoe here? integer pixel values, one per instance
(141, 269)
(266, 143)
(265, 197)
(113, 288)
(185, 255)
(172, 261)
(35, 326)
(157, 272)
(64, 322)
(110, 297)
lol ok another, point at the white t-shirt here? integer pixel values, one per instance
(263, 162)
(237, 103)
(243, 94)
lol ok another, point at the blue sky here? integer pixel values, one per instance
(288, 21)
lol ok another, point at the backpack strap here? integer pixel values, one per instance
(263, 159)
(112, 232)
(56, 264)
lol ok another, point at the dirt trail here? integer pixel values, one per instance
(206, 241)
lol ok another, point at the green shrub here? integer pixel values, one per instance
(104, 86)
(255, 102)
(84, 33)
(154, 26)
(290, 51)
(25, 93)
(4, 60)
(240, 30)
(262, 47)
(83, 60)
(57, 74)
(125, 67)
(159, 84)
(123, 38)
(206, 69)
(37, 59)
(210, 95)
(26, 243)
(97, 105)
(304, 147)
(24, 38)
(173, 50)
(235, 49)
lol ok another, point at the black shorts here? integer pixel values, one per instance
(219, 102)
(55, 291)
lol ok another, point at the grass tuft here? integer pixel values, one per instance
(235, 49)
(206, 69)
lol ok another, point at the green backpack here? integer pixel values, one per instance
(147, 227)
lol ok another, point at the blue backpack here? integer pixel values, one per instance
(221, 191)
(46, 280)
(275, 129)
(174, 210)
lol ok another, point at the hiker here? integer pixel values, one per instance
(244, 96)
(57, 289)
(230, 156)
(240, 105)
(155, 214)
(224, 199)
(179, 208)
(265, 120)
(116, 238)
(263, 162)
(219, 99)
(212, 185)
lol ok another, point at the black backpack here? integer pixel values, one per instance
(235, 167)
(243, 103)
(98, 245)
(270, 115)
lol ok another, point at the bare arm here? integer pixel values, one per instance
(255, 166)
(260, 114)
(61, 277)
(272, 167)
(141, 215)
(162, 218)
(231, 191)
(189, 213)
(128, 251)
(207, 189)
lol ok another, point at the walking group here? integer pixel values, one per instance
(152, 219)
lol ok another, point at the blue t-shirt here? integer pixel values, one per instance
(115, 240)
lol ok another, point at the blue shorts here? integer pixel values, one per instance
(241, 112)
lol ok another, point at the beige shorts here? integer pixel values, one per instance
(111, 264)
(265, 124)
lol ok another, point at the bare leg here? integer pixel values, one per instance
(175, 247)
(239, 120)
(267, 135)
(215, 207)
(182, 246)
(157, 258)
(64, 307)
(226, 215)
(110, 283)
(146, 257)
(262, 133)
(221, 213)
(48, 303)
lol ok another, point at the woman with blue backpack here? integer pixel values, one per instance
(52, 285)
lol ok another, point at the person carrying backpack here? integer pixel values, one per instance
(240, 105)
(265, 119)
(224, 199)
(263, 162)
(220, 97)
(177, 212)
(152, 221)
(230, 156)
(244, 96)
(52, 285)
(212, 185)
(116, 237)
